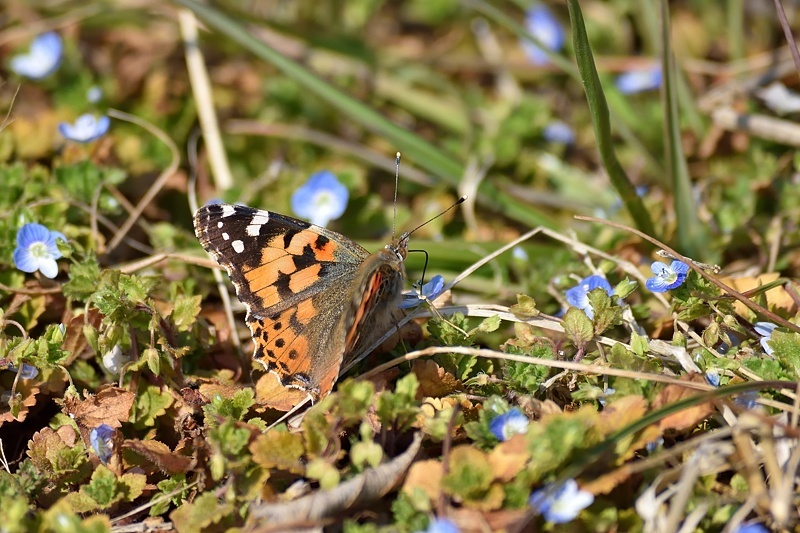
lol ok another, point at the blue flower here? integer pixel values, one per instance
(637, 81)
(519, 254)
(654, 445)
(441, 525)
(102, 442)
(41, 60)
(578, 296)
(541, 24)
(765, 329)
(508, 424)
(86, 129)
(430, 290)
(562, 504)
(559, 132)
(27, 372)
(747, 400)
(712, 377)
(751, 528)
(667, 277)
(37, 250)
(322, 199)
(608, 391)
(94, 94)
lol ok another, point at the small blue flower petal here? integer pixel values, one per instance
(508, 424)
(101, 439)
(94, 94)
(667, 277)
(541, 24)
(519, 254)
(563, 504)
(430, 291)
(86, 128)
(578, 296)
(712, 377)
(637, 81)
(42, 59)
(37, 250)
(441, 525)
(321, 199)
(27, 372)
(765, 329)
(747, 400)
(751, 528)
(559, 132)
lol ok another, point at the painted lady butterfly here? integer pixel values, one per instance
(314, 298)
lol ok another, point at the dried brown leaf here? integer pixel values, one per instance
(160, 455)
(509, 458)
(434, 381)
(110, 406)
(28, 392)
(271, 393)
(426, 476)
(687, 418)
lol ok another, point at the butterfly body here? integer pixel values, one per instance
(314, 298)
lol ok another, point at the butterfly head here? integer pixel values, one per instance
(399, 247)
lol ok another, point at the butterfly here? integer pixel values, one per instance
(314, 298)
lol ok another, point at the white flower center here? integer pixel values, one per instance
(323, 199)
(39, 250)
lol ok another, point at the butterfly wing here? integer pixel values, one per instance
(293, 278)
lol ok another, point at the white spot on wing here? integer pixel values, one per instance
(225, 236)
(253, 230)
(238, 246)
(260, 219)
(228, 210)
(220, 224)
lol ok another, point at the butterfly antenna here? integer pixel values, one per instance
(396, 182)
(457, 202)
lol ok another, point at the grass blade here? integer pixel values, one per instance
(692, 237)
(602, 123)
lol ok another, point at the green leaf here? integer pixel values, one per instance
(151, 403)
(766, 369)
(469, 475)
(527, 377)
(153, 359)
(578, 327)
(83, 279)
(167, 486)
(450, 331)
(625, 288)
(639, 344)
(606, 313)
(355, 398)
(786, 346)
(552, 443)
(279, 449)
(234, 408)
(206, 510)
(230, 439)
(489, 325)
(103, 490)
(399, 409)
(324, 472)
(525, 307)
(185, 312)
